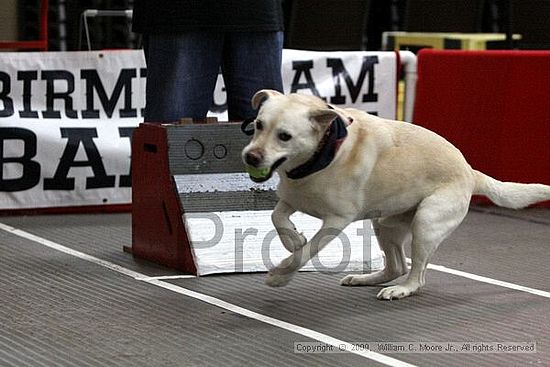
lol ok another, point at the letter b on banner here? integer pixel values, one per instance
(30, 169)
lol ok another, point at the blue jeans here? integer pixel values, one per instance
(182, 71)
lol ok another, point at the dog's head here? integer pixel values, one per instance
(287, 132)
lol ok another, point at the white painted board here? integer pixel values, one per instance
(246, 241)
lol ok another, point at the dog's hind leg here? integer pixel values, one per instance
(393, 233)
(437, 216)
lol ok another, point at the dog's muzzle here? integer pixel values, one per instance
(257, 173)
(254, 158)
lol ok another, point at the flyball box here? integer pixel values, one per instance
(195, 208)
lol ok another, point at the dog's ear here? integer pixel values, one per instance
(262, 95)
(324, 116)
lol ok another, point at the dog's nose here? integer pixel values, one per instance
(254, 158)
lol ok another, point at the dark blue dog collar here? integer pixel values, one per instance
(328, 147)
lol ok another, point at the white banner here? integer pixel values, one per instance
(66, 118)
(362, 80)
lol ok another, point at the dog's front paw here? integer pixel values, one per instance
(375, 278)
(300, 242)
(396, 292)
(294, 241)
(278, 280)
(280, 275)
(347, 280)
(354, 280)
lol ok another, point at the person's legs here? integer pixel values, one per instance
(252, 61)
(182, 70)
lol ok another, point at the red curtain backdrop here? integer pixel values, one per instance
(493, 105)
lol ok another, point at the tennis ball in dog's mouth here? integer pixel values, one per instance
(257, 172)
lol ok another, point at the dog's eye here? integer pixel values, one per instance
(285, 136)
(259, 125)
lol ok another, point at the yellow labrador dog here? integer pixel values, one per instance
(343, 165)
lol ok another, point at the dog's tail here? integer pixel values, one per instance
(510, 194)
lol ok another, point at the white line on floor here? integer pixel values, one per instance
(312, 334)
(167, 277)
(482, 279)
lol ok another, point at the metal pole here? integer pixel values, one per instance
(62, 24)
(508, 23)
(93, 13)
